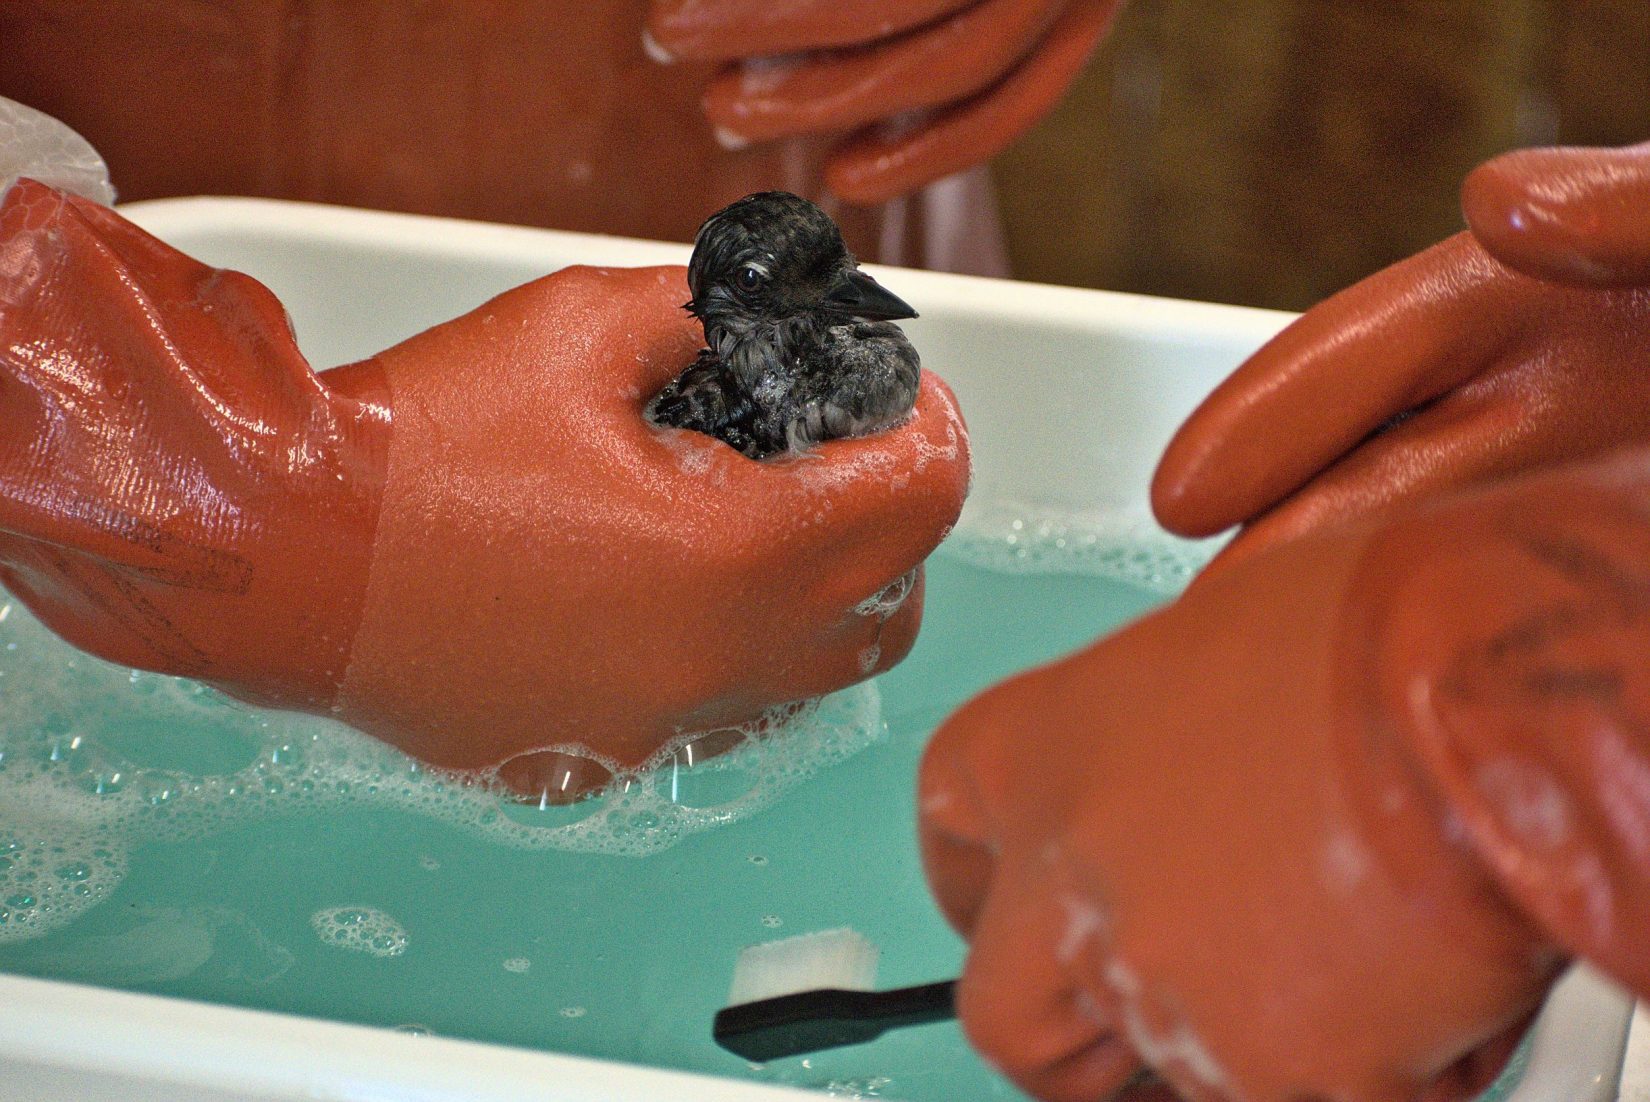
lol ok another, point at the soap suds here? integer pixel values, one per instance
(97, 760)
(1016, 538)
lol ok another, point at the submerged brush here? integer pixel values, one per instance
(801, 345)
(812, 992)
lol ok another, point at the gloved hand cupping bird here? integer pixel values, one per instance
(421, 544)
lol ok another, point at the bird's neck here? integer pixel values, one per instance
(751, 347)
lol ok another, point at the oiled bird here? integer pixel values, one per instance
(801, 345)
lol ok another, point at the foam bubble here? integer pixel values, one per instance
(1016, 538)
(829, 479)
(517, 965)
(97, 759)
(955, 432)
(695, 453)
(869, 657)
(360, 929)
(1157, 1030)
(888, 600)
(870, 1086)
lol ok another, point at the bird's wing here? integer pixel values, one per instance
(707, 398)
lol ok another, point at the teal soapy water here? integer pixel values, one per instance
(381, 896)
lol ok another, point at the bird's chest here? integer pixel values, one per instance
(769, 361)
(773, 388)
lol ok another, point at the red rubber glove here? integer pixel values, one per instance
(930, 86)
(1326, 827)
(470, 545)
(1523, 343)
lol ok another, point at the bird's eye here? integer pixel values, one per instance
(749, 278)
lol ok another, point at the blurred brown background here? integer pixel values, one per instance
(1273, 151)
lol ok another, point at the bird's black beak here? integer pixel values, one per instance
(858, 295)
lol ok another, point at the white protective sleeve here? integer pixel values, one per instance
(35, 145)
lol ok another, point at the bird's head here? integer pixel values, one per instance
(775, 256)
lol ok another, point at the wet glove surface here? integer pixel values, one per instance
(923, 88)
(526, 111)
(590, 572)
(1519, 344)
(470, 545)
(1327, 826)
(178, 490)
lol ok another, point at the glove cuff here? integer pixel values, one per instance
(178, 490)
